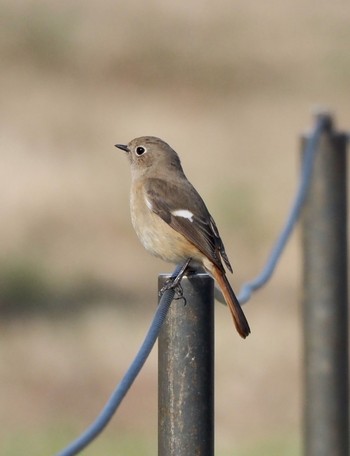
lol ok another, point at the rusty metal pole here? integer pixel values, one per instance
(186, 371)
(325, 301)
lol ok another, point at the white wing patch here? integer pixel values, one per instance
(148, 204)
(183, 213)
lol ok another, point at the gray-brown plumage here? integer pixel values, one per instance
(171, 219)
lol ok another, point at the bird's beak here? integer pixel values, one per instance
(123, 147)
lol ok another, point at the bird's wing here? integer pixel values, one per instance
(180, 205)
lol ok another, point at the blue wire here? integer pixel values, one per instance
(271, 263)
(123, 387)
(247, 289)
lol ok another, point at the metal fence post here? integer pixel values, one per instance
(186, 371)
(325, 301)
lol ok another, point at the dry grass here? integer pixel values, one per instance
(230, 85)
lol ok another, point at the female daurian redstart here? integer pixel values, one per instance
(171, 219)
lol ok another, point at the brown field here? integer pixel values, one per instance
(231, 86)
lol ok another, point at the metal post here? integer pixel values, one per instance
(325, 301)
(186, 371)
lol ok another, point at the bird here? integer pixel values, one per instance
(171, 219)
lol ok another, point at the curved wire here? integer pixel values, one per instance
(123, 387)
(246, 291)
(249, 287)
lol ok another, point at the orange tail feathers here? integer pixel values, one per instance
(238, 316)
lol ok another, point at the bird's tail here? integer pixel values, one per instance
(238, 316)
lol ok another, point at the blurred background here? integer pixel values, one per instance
(230, 85)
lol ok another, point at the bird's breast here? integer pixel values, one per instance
(159, 238)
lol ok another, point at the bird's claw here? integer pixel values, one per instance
(174, 283)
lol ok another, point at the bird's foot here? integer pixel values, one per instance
(173, 283)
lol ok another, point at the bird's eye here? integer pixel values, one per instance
(140, 150)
